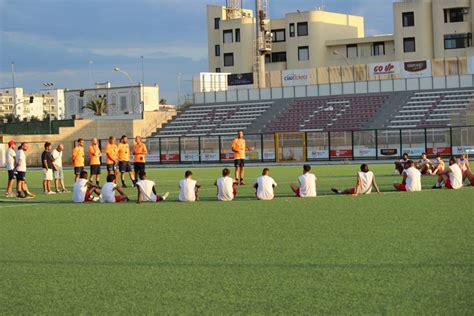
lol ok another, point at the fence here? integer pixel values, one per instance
(35, 128)
(314, 146)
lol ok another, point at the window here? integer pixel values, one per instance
(408, 19)
(237, 35)
(228, 59)
(123, 103)
(303, 53)
(217, 23)
(218, 69)
(80, 105)
(409, 45)
(228, 36)
(217, 50)
(292, 29)
(352, 51)
(378, 49)
(278, 36)
(302, 28)
(268, 59)
(454, 15)
(455, 41)
(278, 57)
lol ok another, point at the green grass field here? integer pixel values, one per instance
(396, 253)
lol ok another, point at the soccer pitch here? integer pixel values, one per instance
(396, 253)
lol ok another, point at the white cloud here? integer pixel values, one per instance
(195, 52)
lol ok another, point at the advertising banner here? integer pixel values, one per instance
(170, 157)
(388, 152)
(470, 65)
(365, 152)
(457, 150)
(213, 156)
(438, 150)
(416, 69)
(244, 79)
(269, 155)
(153, 157)
(316, 153)
(190, 156)
(341, 153)
(414, 151)
(387, 68)
(296, 77)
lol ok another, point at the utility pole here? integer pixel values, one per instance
(14, 112)
(143, 89)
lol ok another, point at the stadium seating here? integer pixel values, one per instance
(432, 108)
(328, 113)
(200, 120)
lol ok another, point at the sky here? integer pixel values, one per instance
(75, 43)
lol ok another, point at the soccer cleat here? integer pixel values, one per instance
(95, 199)
(165, 196)
(243, 183)
(30, 195)
(11, 195)
(335, 191)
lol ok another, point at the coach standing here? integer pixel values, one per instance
(139, 152)
(78, 158)
(239, 148)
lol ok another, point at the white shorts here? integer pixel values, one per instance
(58, 173)
(48, 174)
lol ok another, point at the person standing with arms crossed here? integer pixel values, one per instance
(112, 159)
(58, 169)
(123, 152)
(10, 166)
(78, 158)
(239, 148)
(139, 152)
(94, 155)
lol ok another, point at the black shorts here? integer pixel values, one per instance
(20, 176)
(239, 163)
(11, 175)
(124, 166)
(95, 169)
(111, 167)
(78, 170)
(138, 166)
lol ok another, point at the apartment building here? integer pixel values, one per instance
(121, 101)
(423, 30)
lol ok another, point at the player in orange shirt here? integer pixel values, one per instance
(94, 155)
(123, 153)
(239, 148)
(111, 156)
(139, 152)
(78, 158)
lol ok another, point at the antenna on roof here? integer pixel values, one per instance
(322, 7)
(233, 9)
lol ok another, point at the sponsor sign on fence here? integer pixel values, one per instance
(297, 77)
(388, 68)
(416, 69)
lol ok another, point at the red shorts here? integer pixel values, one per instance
(298, 193)
(472, 181)
(352, 191)
(88, 197)
(118, 198)
(402, 187)
(447, 184)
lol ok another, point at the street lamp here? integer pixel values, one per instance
(337, 53)
(117, 69)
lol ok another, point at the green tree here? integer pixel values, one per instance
(97, 105)
(163, 102)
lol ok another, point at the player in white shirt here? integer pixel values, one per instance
(20, 168)
(189, 188)
(107, 194)
(58, 169)
(226, 187)
(400, 164)
(463, 162)
(265, 186)
(307, 181)
(469, 176)
(83, 190)
(425, 165)
(452, 176)
(411, 179)
(146, 190)
(10, 166)
(365, 183)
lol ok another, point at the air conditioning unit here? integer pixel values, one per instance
(465, 11)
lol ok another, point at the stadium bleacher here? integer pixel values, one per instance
(417, 109)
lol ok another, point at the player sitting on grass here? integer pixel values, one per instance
(365, 183)
(108, 192)
(189, 188)
(425, 165)
(83, 189)
(464, 164)
(469, 176)
(307, 182)
(452, 177)
(226, 187)
(411, 179)
(146, 190)
(400, 164)
(265, 186)
(438, 167)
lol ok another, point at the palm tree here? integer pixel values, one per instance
(97, 105)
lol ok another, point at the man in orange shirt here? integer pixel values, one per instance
(111, 155)
(139, 152)
(123, 152)
(94, 155)
(239, 147)
(78, 158)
